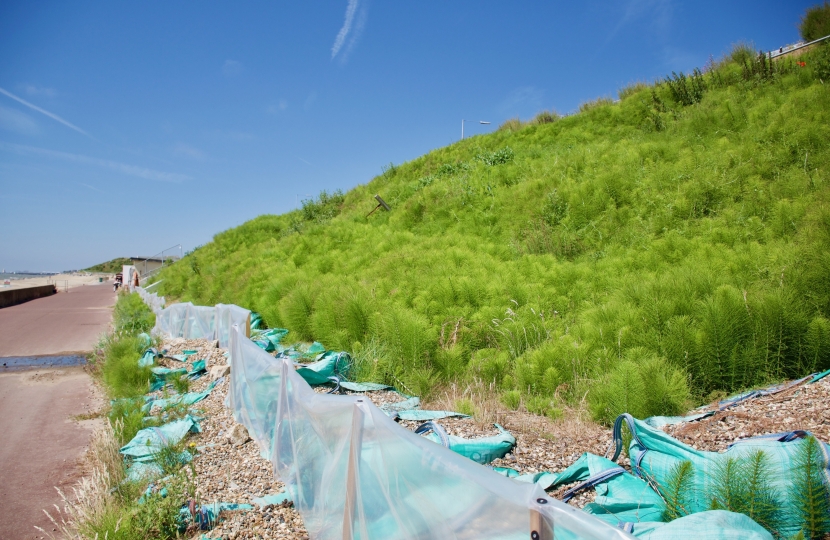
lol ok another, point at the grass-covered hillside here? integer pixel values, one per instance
(635, 256)
(110, 267)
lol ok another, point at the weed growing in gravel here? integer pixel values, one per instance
(678, 491)
(122, 376)
(743, 485)
(127, 418)
(131, 315)
(181, 384)
(811, 491)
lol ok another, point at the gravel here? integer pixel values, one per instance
(803, 407)
(227, 473)
(237, 474)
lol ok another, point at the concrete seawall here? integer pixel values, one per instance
(12, 297)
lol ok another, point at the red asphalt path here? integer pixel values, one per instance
(67, 322)
(41, 444)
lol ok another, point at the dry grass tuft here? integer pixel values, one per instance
(91, 502)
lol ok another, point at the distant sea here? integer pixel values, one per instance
(23, 275)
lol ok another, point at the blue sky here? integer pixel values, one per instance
(126, 128)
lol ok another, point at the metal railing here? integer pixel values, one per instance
(787, 49)
(58, 283)
(158, 256)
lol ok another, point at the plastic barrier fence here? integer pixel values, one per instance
(154, 301)
(200, 322)
(353, 472)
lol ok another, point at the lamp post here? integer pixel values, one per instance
(462, 126)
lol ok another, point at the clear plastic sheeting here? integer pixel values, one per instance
(153, 301)
(200, 322)
(228, 315)
(353, 472)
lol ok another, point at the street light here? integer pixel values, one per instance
(462, 126)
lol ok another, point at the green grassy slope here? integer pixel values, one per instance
(641, 253)
(112, 266)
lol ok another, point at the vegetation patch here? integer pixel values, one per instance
(641, 255)
(107, 503)
(110, 267)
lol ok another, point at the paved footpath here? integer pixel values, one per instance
(42, 442)
(67, 322)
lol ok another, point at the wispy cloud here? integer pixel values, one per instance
(182, 149)
(231, 68)
(43, 111)
(351, 9)
(351, 30)
(93, 188)
(309, 101)
(33, 90)
(16, 121)
(304, 161)
(123, 168)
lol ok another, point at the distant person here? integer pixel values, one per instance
(119, 279)
(135, 279)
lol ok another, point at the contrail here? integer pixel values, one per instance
(42, 111)
(347, 26)
(123, 168)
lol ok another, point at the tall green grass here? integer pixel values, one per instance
(643, 253)
(112, 506)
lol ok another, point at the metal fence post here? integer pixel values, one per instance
(540, 527)
(352, 473)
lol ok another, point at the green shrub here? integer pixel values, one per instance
(324, 207)
(120, 371)
(511, 125)
(181, 384)
(811, 492)
(465, 406)
(490, 365)
(541, 405)
(296, 310)
(499, 157)
(545, 117)
(743, 485)
(640, 386)
(632, 89)
(131, 315)
(686, 90)
(815, 23)
(820, 63)
(742, 52)
(512, 399)
(595, 104)
(419, 381)
(127, 418)
(450, 364)
(678, 492)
